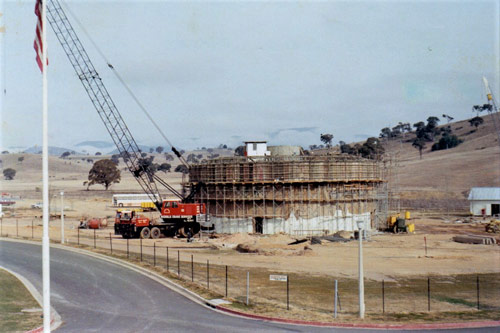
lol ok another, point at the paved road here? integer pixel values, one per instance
(97, 296)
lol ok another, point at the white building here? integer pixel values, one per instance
(256, 148)
(484, 200)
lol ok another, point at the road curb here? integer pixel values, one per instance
(223, 310)
(423, 326)
(55, 321)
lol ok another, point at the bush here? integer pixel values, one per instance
(446, 142)
(65, 154)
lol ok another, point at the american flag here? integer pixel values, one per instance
(38, 38)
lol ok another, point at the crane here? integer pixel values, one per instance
(490, 107)
(176, 215)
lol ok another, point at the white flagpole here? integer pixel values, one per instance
(45, 171)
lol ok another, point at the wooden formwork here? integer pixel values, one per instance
(276, 187)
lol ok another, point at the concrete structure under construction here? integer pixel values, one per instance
(297, 195)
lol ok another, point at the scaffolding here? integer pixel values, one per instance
(292, 194)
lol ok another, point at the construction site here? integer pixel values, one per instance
(226, 223)
(297, 195)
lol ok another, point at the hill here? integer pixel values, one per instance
(444, 177)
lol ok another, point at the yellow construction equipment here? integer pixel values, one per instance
(396, 223)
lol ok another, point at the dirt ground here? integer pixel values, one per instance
(386, 255)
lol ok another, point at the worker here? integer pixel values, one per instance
(189, 236)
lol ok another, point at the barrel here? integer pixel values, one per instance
(407, 215)
(94, 223)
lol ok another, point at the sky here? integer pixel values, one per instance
(215, 73)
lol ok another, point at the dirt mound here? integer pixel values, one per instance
(247, 248)
(231, 241)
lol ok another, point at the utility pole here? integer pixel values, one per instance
(62, 217)
(360, 269)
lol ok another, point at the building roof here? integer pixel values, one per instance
(484, 193)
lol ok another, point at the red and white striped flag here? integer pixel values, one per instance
(38, 38)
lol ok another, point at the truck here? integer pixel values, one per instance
(177, 217)
(130, 224)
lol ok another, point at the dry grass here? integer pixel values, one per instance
(14, 298)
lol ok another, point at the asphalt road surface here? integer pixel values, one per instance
(92, 295)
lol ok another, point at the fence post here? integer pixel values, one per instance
(127, 249)
(17, 228)
(78, 236)
(168, 268)
(383, 296)
(335, 299)
(94, 240)
(154, 254)
(32, 234)
(110, 243)
(178, 263)
(248, 286)
(208, 274)
(287, 292)
(226, 281)
(428, 294)
(141, 248)
(1, 226)
(477, 288)
(192, 269)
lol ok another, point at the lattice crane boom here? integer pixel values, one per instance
(103, 103)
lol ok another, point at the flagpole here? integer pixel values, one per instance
(45, 172)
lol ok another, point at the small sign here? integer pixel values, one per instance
(282, 278)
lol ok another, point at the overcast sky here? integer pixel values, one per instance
(226, 72)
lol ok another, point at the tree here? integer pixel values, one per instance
(476, 121)
(151, 150)
(419, 143)
(115, 158)
(143, 155)
(384, 133)
(65, 154)
(432, 122)
(5, 152)
(191, 159)
(346, 149)
(326, 139)
(159, 149)
(372, 148)
(169, 157)
(446, 142)
(20, 159)
(448, 117)
(104, 172)
(165, 167)
(213, 156)
(98, 153)
(239, 151)
(182, 168)
(9, 173)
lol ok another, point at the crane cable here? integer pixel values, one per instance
(124, 84)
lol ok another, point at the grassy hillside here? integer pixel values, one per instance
(446, 174)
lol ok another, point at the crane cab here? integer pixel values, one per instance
(175, 209)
